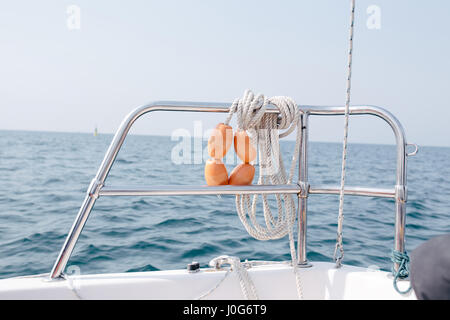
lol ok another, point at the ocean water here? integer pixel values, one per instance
(44, 177)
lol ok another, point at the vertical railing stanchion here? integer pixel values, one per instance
(401, 192)
(303, 195)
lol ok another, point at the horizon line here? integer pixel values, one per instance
(163, 135)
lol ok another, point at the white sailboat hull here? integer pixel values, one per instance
(274, 281)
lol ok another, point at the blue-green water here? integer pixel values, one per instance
(44, 176)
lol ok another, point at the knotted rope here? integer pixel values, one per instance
(263, 129)
(402, 272)
(247, 286)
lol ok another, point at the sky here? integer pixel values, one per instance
(61, 74)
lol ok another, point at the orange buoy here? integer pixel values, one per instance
(215, 172)
(242, 175)
(220, 141)
(245, 151)
(218, 145)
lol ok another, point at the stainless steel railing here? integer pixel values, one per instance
(302, 188)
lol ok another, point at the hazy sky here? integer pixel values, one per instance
(127, 53)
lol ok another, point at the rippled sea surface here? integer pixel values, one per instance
(44, 177)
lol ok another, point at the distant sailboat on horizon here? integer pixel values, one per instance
(95, 131)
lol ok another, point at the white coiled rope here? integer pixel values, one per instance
(263, 131)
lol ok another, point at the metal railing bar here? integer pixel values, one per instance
(185, 190)
(354, 191)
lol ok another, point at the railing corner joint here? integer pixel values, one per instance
(94, 188)
(304, 189)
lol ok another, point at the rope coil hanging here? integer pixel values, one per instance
(263, 131)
